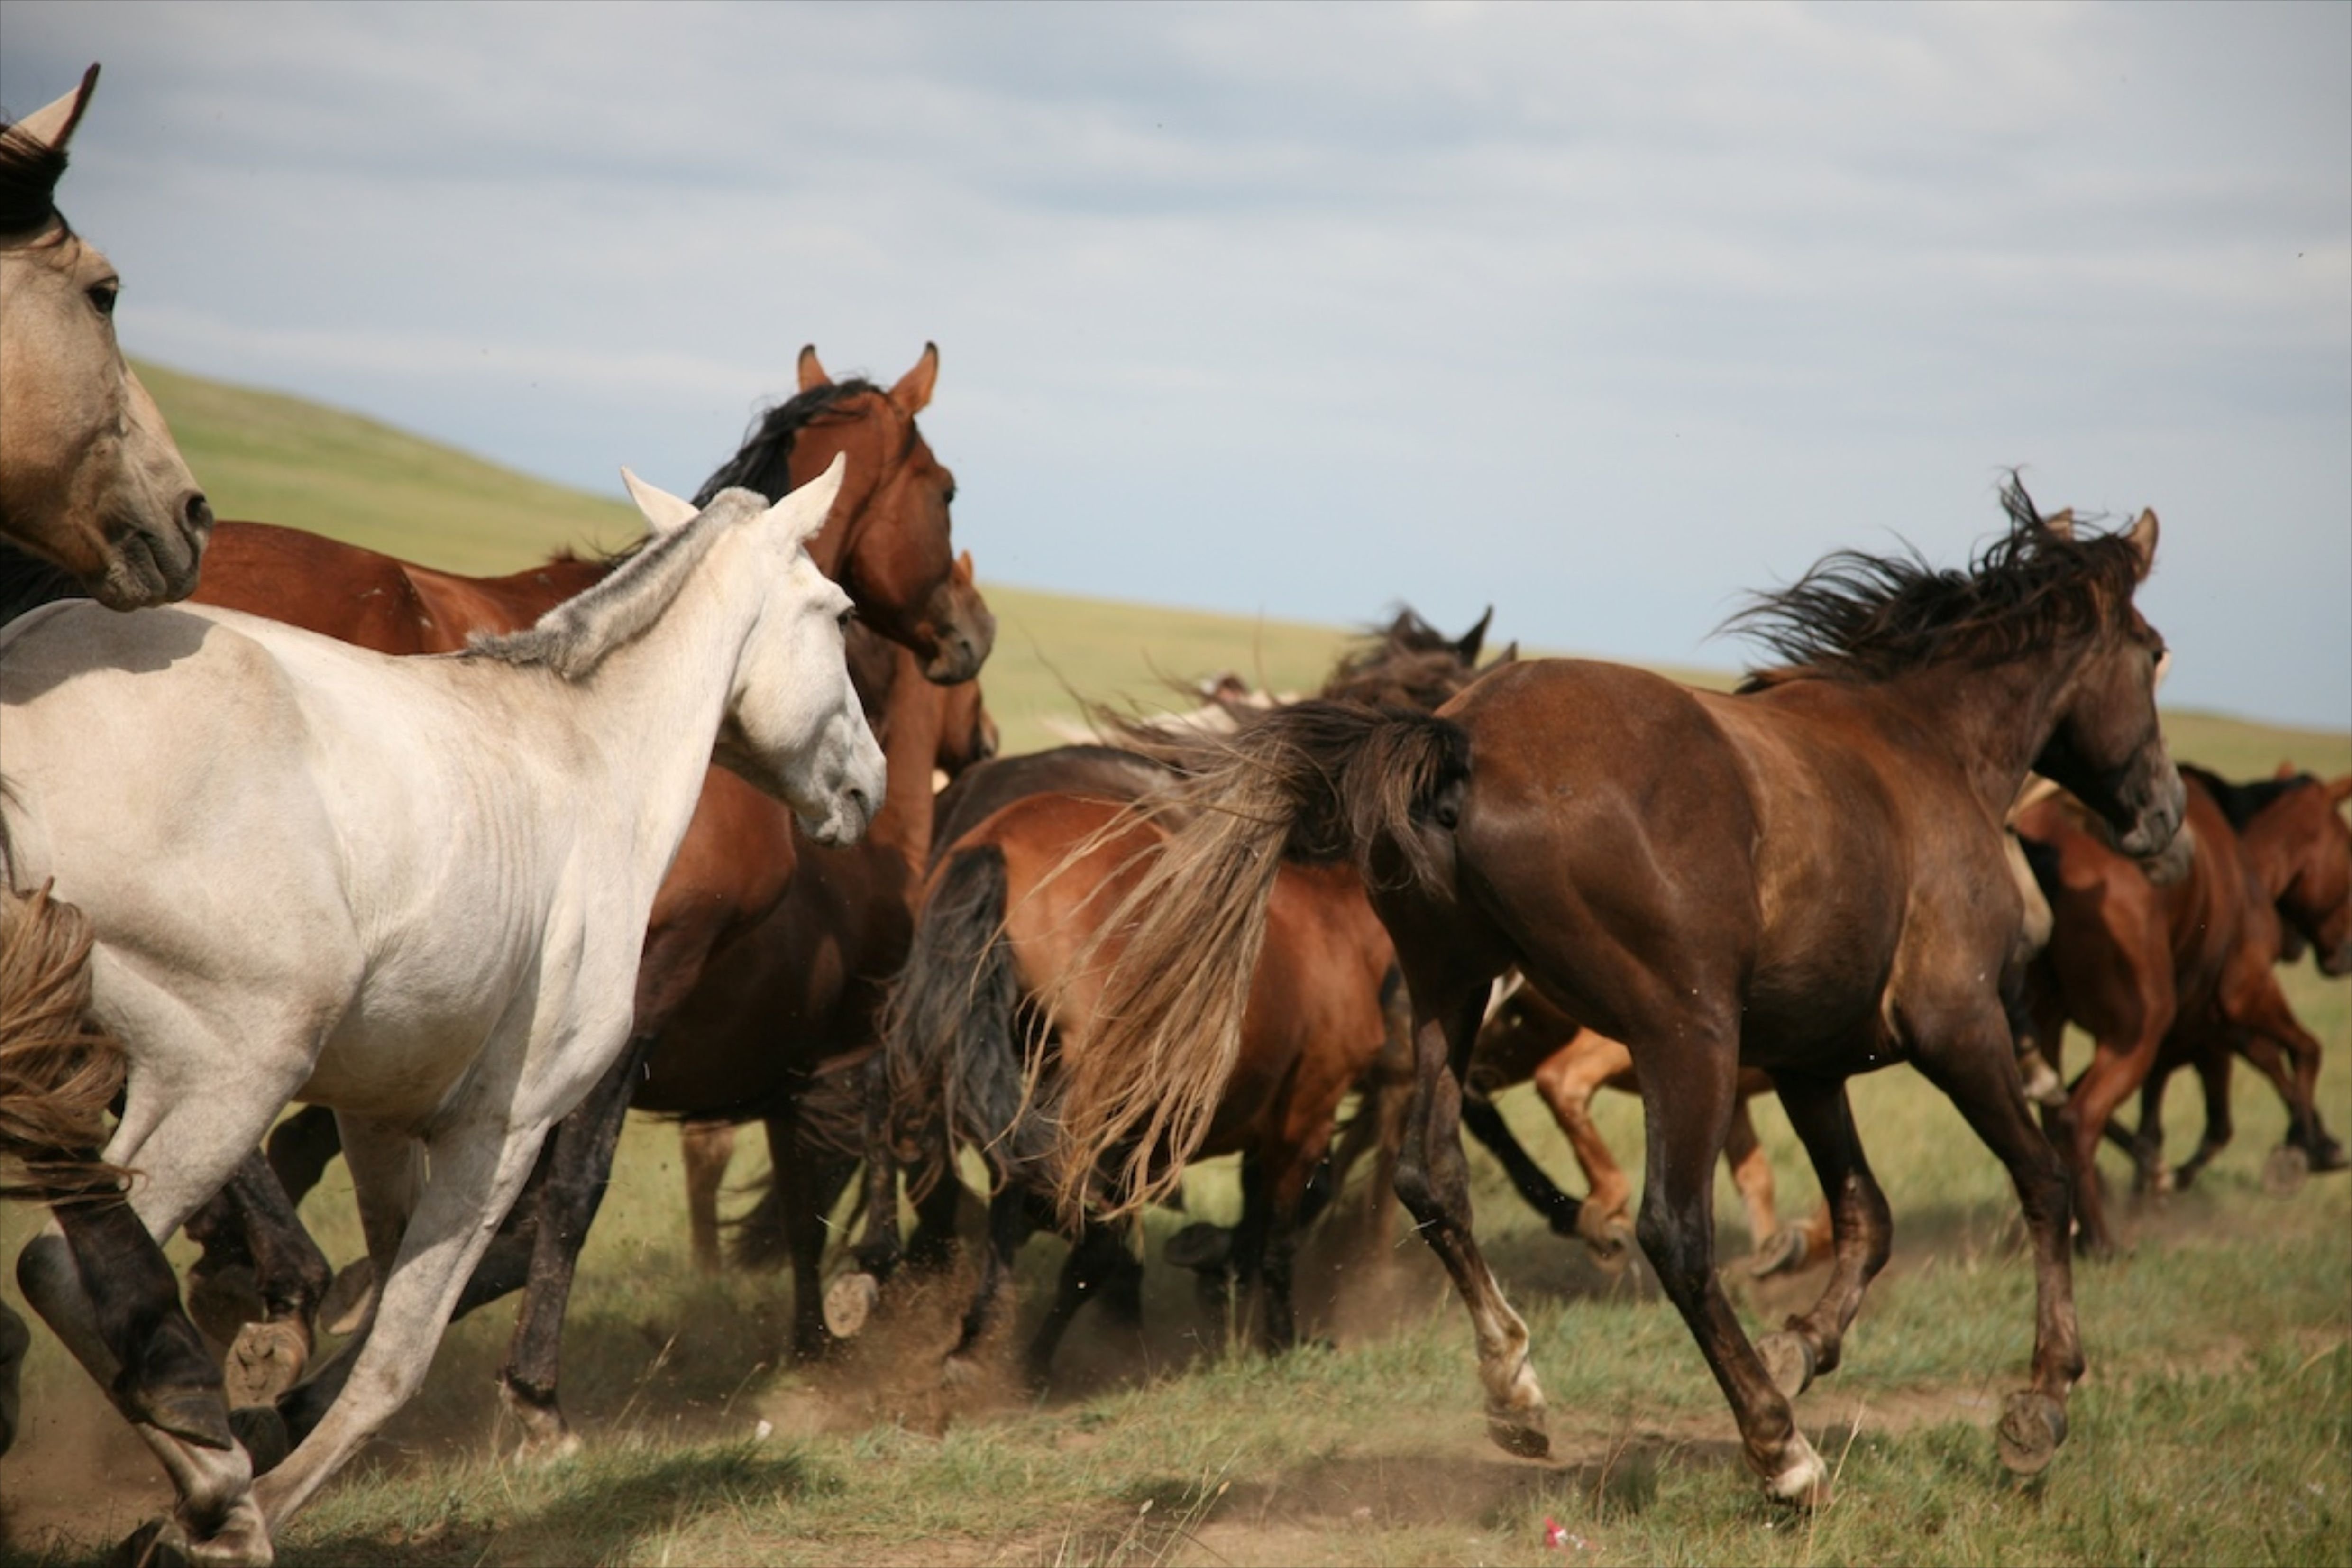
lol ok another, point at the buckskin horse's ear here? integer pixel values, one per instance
(812, 373)
(665, 513)
(2060, 522)
(52, 125)
(2143, 542)
(913, 393)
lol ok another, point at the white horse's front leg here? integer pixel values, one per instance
(478, 1168)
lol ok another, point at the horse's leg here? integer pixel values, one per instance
(387, 1170)
(1099, 1266)
(1486, 1124)
(479, 1166)
(2270, 1028)
(1771, 1248)
(2213, 1076)
(1008, 1226)
(932, 1247)
(705, 1149)
(1567, 1079)
(300, 1148)
(2118, 1067)
(161, 1374)
(570, 1188)
(1862, 1231)
(1432, 1181)
(291, 1276)
(1689, 1083)
(1975, 1067)
(807, 1184)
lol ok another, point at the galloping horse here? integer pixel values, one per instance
(2184, 970)
(2293, 838)
(94, 498)
(1806, 876)
(886, 540)
(999, 924)
(411, 888)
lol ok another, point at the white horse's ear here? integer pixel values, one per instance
(803, 512)
(53, 125)
(665, 513)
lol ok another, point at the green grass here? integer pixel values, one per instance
(2216, 1424)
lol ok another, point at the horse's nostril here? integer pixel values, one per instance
(197, 513)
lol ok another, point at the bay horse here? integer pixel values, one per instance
(888, 541)
(413, 890)
(2183, 970)
(966, 1041)
(1805, 876)
(95, 499)
(2294, 840)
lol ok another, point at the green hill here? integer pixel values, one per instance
(275, 458)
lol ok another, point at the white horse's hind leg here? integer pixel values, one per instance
(476, 1172)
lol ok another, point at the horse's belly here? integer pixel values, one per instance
(408, 1039)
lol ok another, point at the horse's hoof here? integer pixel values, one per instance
(1788, 1361)
(2327, 1154)
(959, 1371)
(154, 1544)
(1200, 1246)
(849, 1301)
(1516, 1438)
(540, 1451)
(1804, 1481)
(1611, 1240)
(263, 1433)
(197, 1416)
(349, 1299)
(265, 1360)
(2285, 1171)
(242, 1542)
(1782, 1252)
(2032, 1426)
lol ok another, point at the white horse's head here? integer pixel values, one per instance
(795, 726)
(89, 477)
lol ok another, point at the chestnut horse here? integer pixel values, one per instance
(2293, 838)
(886, 539)
(2183, 972)
(95, 500)
(1805, 876)
(998, 928)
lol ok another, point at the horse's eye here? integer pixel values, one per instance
(103, 297)
(848, 614)
(949, 498)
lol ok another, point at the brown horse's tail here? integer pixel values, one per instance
(1316, 781)
(57, 1075)
(954, 1047)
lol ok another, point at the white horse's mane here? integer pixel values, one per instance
(573, 638)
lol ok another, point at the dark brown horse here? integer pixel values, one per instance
(2182, 971)
(1807, 876)
(889, 528)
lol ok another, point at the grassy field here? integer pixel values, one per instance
(2216, 1424)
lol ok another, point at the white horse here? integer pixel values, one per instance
(413, 890)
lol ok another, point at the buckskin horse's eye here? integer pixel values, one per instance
(102, 296)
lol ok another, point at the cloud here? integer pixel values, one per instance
(1600, 313)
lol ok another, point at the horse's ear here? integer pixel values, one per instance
(1471, 641)
(913, 393)
(962, 572)
(2286, 771)
(1510, 654)
(2143, 541)
(802, 511)
(2060, 522)
(52, 125)
(665, 513)
(812, 373)
(2339, 790)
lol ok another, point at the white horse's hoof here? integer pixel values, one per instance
(265, 1360)
(849, 1301)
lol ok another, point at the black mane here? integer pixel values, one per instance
(763, 464)
(29, 173)
(2241, 803)
(1861, 617)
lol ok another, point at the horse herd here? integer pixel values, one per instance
(469, 867)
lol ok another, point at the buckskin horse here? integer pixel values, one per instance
(94, 499)
(1806, 876)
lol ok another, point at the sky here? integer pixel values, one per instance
(1601, 315)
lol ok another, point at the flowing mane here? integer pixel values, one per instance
(1861, 617)
(762, 463)
(29, 173)
(2241, 803)
(574, 637)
